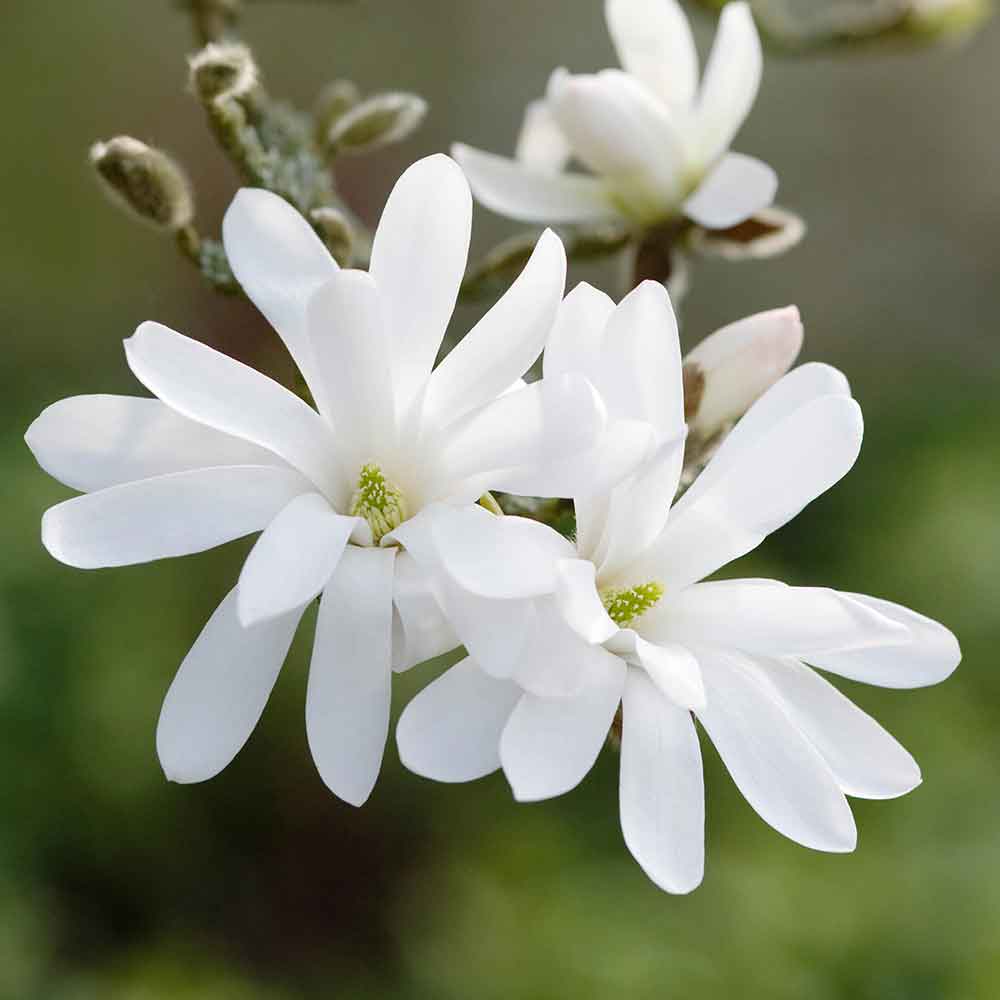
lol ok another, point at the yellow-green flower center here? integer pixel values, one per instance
(625, 604)
(380, 502)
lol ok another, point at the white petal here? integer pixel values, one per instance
(662, 793)
(928, 657)
(579, 603)
(576, 340)
(351, 346)
(499, 557)
(757, 488)
(866, 761)
(549, 744)
(770, 618)
(674, 670)
(347, 700)
(418, 262)
(92, 442)
(541, 145)
(216, 390)
(654, 43)
(293, 559)
(779, 772)
(729, 85)
(505, 343)
(741, 362)
(451, 730)
(167, 516)
(426, 632)
(508, 188)
(220, 691)
(735, 188)
(279, 261)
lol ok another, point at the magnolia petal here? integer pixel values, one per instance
(576, 341)
(662, 791)
(451, 730)
(216, 390)
(730, 82)
(167, 516)
(549, 744)
(579, 603)
(866, 761)
(654, 44)
(426, 632)
(418, 261)
(528, 195)
(93, 442)
(347, 699)
(220, 691)
(293, 559)
(541, 145)
(279, 262)
(779, 772)
(735, 188)
(674, 670)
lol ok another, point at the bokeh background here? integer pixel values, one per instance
(259, 884)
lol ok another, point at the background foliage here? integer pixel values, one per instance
(260, 885)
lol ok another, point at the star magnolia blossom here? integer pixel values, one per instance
(562, 636)
(656, 144)
(224, 451)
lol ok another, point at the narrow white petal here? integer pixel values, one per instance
(505, 343)
(220, 691)
(735, 188)
(654, 43)
(576, 340)
(293, 559)
(279, 261)
(351, 345)
(674, 670)
(527, 195)
(732, 78)
(866, 761)
(740, 362)
(541, 145)
(779, 772)
(549, 744)
(451, 730)
(662, 792)
(928, 657)
(166, 516)
(93, 442)
(216, 390)
(579, 603)
(347, 700)
(426, 632)
(418, 262)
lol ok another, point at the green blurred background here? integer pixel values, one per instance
(260, 884)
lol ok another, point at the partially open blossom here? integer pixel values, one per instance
(654, 140)
(563, 636)
(223, 451)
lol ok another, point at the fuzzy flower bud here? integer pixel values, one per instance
(377, 121)
(222, 70)
(336, 232)
(145, 181)
(947, 18)
(333, 101)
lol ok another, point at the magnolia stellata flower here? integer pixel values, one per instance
(655, 142)
(565, 635)
(224, 451)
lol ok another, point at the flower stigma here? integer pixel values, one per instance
(625, 604)
(380, 502)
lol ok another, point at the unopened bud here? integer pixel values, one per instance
(933, 19)
(736, 365)
(336, 231)
(333, 101)
(145, 181)
(222, 70)
(376, 121)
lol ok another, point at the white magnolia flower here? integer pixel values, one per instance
(224, 451)
(655, 142)
(562, 636)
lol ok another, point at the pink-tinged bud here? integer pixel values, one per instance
(739, 363)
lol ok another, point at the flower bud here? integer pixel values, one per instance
(933, 19)
(376, 121)
(222, 70)
(336, 231)
(333, 101)
(736, 365)
(145, 181)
